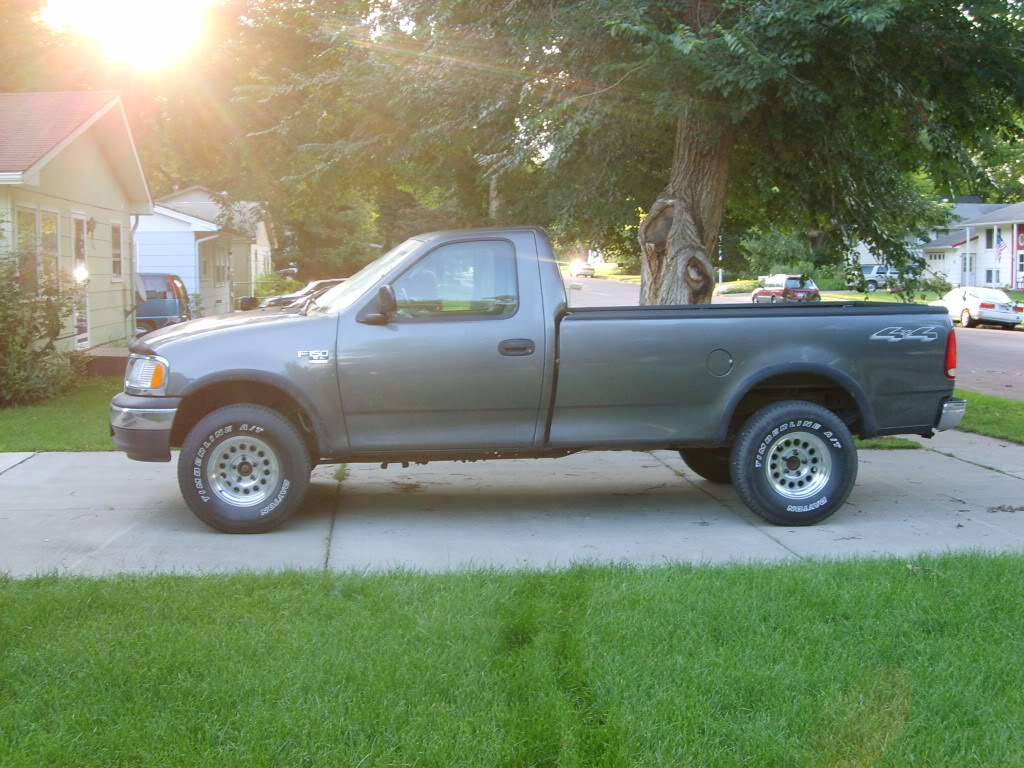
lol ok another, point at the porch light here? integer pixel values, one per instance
(81, 273)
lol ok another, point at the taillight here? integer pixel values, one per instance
(951, 355)
(1018, 309)
(986, 305)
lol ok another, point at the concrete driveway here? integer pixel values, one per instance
(99, 513)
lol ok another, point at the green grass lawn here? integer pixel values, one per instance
(919, 298)
(888, 443)
(858, 663)
(993, 416)
(76, 421)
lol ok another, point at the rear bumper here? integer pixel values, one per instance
(993, 316)
(951, 413)
(141, 426)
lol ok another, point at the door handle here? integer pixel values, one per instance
(516, 347)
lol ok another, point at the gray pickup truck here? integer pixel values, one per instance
(461, 346)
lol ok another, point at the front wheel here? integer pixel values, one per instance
(710, 463)
(244, 469)
(794, 463)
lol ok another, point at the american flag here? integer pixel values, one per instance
(1001, 247)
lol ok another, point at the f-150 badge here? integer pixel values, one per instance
(315, 355)
(898, 333)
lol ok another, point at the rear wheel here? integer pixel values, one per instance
(872, 286)
(710, 463)
(794, 463)
(965, 319)
(773, 300)
(244, 469)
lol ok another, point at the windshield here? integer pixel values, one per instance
(342, 295)
(989, 294)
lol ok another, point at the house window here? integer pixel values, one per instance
(49, 242)
(992, 276)
(27, 236)
(115, 250)
(222, 266)
(990, 238)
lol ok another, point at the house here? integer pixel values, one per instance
(962, 209)
(985, 250)
(217, 249)
(70, 185)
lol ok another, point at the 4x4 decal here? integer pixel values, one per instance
(898, 333)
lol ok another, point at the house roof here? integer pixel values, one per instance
(36, 127)
(1007, 214)
(965, 211)
(197, 224)
(944, 243)
(241, 216)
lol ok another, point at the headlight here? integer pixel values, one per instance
(146, 375)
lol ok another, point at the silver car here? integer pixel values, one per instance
(975, 306)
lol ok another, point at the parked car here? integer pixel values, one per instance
(163, 301)
(581, 268)
(982, 306)
(407, 363)
(303, 293)
(877, 276)
(786, 288)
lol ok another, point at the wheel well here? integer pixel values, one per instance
(209, 398)
(814, 388)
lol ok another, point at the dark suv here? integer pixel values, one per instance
(165, 302)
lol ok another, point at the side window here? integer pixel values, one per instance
(461, 280)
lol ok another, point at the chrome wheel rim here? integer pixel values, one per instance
(243, 471)
(798, 465)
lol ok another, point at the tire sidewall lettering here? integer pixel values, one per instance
(770, 493)
(201, 459)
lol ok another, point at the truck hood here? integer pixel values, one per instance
(235, 322)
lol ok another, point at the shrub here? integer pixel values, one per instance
(271, 284)
(33, 318)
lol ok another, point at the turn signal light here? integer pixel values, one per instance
(951, 355)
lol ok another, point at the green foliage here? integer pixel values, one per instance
(33, 317)
(273, 284)
(766, 251)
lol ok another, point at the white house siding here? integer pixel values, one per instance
(80, 173)
(168, 252)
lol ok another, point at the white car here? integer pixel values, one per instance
(990, 306)
(580, 268)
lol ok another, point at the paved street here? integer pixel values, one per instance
(990, 360)
(62, 512)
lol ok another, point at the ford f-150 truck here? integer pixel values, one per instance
(461, 346)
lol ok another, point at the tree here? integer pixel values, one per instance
(810, 113)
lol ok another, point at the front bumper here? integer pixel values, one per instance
(141, 426)
(951, 413)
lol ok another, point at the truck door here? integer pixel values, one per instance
(460, 364)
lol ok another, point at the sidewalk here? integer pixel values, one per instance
(99, 513)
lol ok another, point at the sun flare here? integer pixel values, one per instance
(146, 34)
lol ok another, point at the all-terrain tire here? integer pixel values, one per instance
(794, 463)
(244, 469)
(710, 463)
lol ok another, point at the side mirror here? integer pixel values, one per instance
(386, 301)
(386, 305)
(247, 303)
(575, 286)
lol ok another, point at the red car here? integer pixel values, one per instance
(778, 288)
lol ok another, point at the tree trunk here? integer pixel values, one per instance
(679, 236)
